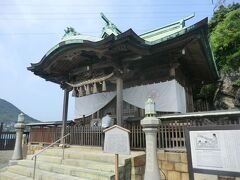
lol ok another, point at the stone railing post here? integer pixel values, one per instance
(150, 126)
(17, 153)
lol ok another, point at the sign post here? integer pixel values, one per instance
(116, 167)
(117, 142)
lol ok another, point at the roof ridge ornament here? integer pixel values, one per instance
(70, 31)
(109, 28)
(182, 21)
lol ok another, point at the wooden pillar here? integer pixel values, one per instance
(191, 99)
(65, 113)
(119, 100)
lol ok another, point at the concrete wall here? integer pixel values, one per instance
(33, 148)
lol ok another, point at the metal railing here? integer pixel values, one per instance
(35, 155)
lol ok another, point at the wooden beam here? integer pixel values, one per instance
(79, 70)
(138, 49)
(101, 65)
(172, 70)
(132, 59)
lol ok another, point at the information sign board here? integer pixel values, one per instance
(116, 140)
(213, 150)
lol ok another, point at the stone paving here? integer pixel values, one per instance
(5, 156)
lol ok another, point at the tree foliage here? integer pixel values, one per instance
(205, 92)
(224, 31)
(225, 37)
(219, 15)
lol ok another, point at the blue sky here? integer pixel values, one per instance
(28, 29)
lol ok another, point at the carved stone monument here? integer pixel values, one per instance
(150, 126)
(17, 153)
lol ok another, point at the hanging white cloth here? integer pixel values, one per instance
(87, 105)
(169, 96)
(181, 98)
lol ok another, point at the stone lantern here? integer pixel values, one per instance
(17, 153)
(150, 126)
(150, 107)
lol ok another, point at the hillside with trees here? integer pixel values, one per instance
(9, 114)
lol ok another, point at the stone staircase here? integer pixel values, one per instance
(79, 163)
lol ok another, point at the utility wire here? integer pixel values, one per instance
(87, 13)
(106, 5)
(65, 17)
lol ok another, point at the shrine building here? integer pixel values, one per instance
(118, 71)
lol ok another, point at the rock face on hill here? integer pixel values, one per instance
(228, 93)
(9, 114)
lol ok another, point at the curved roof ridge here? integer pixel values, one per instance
(129, 41)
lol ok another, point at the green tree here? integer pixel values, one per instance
(224, 32)
(225, 39)
(219, 15)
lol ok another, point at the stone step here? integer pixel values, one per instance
(86, 148)
(85, 155)
(100, 166)
(47, 158)
(80, 163)
(21, 171)
(69, 170)
(11, 176)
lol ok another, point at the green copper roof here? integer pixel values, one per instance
(71, 35)
(76, 50)
(109, 28)
(79, 38)
(165, 31)
(151, 37)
